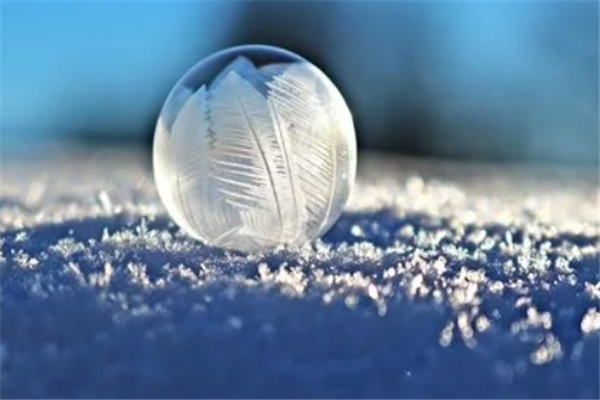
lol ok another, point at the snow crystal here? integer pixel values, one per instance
(590, 322)
(105, 202)
(446, 335)
(548, 351)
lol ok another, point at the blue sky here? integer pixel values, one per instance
(504, 80)
(68, 65)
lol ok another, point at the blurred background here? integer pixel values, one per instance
(497, 81)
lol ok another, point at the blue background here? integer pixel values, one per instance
(508, 81)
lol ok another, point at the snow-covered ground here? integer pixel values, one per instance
(440, 280)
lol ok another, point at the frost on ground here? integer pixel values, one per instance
(440, 280)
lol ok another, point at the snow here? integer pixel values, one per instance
(439, 280)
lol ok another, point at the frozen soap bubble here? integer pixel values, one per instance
(254, 147)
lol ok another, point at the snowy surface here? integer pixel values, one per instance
(440, 280)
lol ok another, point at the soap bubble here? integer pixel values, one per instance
(254, 147)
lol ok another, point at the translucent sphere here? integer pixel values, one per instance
(254, 147)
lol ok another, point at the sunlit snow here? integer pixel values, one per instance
(439, 280)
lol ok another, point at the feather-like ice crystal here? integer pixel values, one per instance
(254, 147)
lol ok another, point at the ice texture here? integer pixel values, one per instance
(256, 158)
(438, 280)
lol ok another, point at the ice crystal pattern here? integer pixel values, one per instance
(257, 158)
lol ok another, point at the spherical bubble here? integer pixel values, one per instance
(254, 147)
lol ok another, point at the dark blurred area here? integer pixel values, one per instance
(498, 81)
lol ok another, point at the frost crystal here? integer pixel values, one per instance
(591, 321)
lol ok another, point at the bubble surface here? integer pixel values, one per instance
(254, 147)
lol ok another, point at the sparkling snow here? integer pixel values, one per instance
(440, 280)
